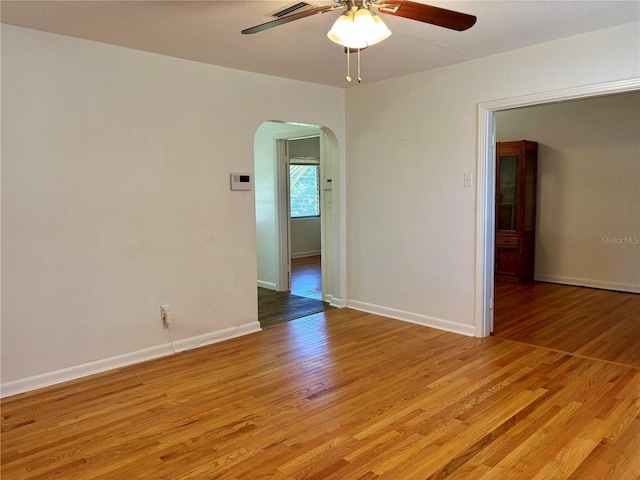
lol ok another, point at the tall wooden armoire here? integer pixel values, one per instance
(516, 172)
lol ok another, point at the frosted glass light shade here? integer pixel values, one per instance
(358, 30)
(363, 21)
(343, 32)
(380, 29)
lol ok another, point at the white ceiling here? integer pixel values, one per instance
(209, 32)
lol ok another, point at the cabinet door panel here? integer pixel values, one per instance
(507, 192)
(507, 261)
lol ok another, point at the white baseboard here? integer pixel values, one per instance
(311, 253)
(51, 378)
(588, 282)
(424, 320)
(335, 301)
(268, 285)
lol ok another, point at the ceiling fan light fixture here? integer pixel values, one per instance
(342, 32)
(359, 29)
(363, 20)
(380, 29)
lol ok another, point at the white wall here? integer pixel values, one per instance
(305, 237)
(115, 199)
(305, 147)
(588, 188)
(410, 221)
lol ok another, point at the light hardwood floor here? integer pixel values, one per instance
(337, 395)
(306, 277)
(584, 321)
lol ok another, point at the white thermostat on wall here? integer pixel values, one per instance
(241, 181)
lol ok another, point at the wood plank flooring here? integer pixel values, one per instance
(305, 297)
(306, 277)
(337, 395)
(584, 321)
(278, 307)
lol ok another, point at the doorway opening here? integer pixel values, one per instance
(294, 220)
(485, 290)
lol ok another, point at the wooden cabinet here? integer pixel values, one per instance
(516, 166)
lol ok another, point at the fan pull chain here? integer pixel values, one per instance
(349, 51)
(348, 65)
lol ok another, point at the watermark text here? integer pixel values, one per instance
(621, 240)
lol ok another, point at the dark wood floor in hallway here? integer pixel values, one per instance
(303, 299)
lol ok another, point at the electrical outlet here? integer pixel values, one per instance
(165, 314)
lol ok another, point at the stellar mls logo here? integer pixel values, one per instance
(620, 240)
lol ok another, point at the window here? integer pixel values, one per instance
(304, 188)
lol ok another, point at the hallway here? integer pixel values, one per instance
(305, 297)
(306, 277)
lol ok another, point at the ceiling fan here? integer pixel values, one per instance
(359, 27)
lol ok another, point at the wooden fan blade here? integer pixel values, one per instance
(428, 14)
(290, 18)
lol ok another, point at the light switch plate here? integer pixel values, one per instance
(468, 179)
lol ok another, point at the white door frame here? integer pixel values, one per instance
(283, 216)
(485, 167)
